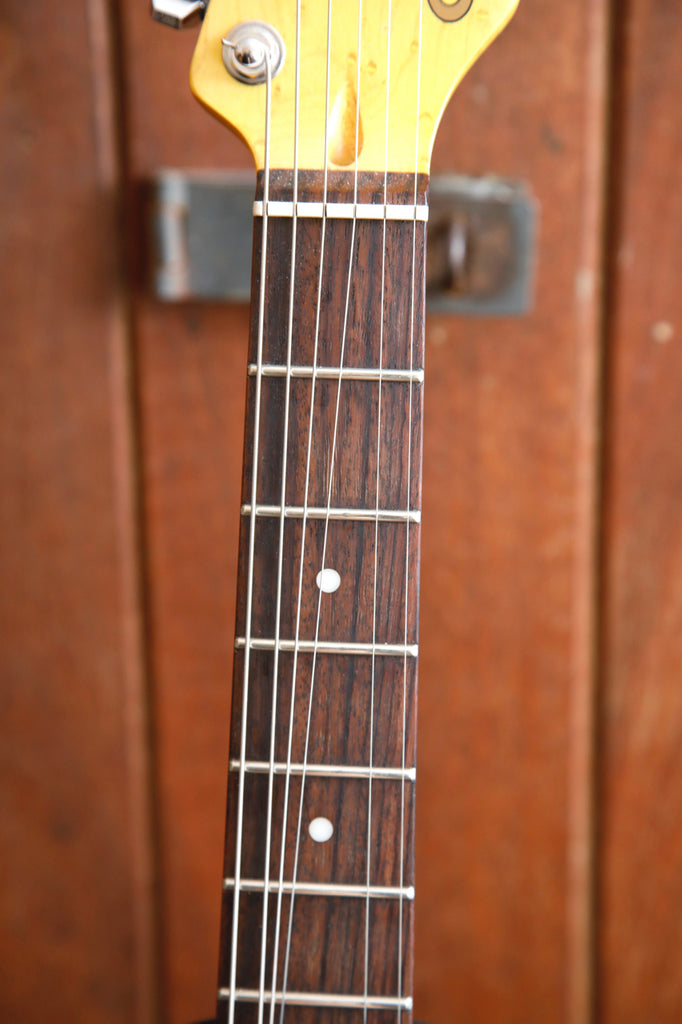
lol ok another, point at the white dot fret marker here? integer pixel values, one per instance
(328, 581)
(321, 830)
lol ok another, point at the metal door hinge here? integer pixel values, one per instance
(481, 241)
(179, 13)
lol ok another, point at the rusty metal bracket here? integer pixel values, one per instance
(480, 259)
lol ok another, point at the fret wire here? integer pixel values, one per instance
(287, 952)
(324, 771)
(321, 999)
(354, 373)
(360, 515)
(328, 647)
(375, 892)
(344, 211)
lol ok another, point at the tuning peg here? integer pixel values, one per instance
(179, 13)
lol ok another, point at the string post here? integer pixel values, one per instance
(249, 47)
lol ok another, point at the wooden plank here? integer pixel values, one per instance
(76, 928)
(641, 728)
(192, 363)
(502, 920)
(503, 801)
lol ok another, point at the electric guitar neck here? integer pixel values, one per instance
(319, 856)
(339, 104)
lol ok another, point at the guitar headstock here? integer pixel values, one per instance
(412, 55)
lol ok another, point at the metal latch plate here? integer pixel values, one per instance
(480, 259)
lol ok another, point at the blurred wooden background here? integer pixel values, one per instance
(550, 797)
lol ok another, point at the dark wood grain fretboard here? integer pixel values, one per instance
(349, 498)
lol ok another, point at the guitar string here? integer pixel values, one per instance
(287, 782)
(408, 506)
(282, 519)
(326, 525)
(252, 537)
(376, 523)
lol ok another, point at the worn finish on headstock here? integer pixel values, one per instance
(448, 49)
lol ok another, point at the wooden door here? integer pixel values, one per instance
(549, 843)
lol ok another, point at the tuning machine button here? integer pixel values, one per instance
(179, 13)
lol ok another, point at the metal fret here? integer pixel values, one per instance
(322, 999)
(377, 892)
(330, 647)
(345, 211)
(367, 373)
(325, 771)
(354, 515)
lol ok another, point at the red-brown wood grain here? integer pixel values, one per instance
(76, 916)
(641, 703)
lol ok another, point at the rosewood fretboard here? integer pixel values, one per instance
(340, 925)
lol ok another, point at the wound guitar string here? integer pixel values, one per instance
(288, 773)
(376, 527)
(280, 557)
(252, 540)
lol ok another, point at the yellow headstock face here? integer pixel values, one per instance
(396, 133)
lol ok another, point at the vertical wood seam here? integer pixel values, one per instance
(619, 14)
(104, 23)
(592, 323)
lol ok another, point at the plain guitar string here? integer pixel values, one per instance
(280, 557)
(408, 504)
(332, 460)
(376, 525)
(287, 785)
(252, 537)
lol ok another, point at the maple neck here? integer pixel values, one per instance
(324, 694)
